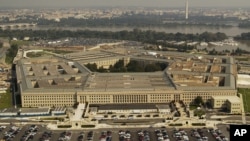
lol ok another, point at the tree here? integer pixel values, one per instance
(1, 44)
(198, 100)
(92, 67)
(152, 68)
(11, 53)
(101, 69)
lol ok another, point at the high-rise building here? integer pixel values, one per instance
(186, 9)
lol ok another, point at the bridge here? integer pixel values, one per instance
(16, 25)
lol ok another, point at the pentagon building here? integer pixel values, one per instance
(64, 80)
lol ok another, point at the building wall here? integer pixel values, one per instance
(219, 103)
(104, 63)
(188, 97)
(38, 99)
(164, 111)
(48, 99)
(234, 108)
(129, 111)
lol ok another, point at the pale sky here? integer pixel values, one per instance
(145, 3)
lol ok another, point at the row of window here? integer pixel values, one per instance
(108, 98)
(47, 105)
(50, 102)
(49, 96)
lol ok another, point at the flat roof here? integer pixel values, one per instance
(67, 73)
(109, 81)
(163, 106)
(59, 109)
(9, 110)
(34, 110)
(243, 80)
(232, 99)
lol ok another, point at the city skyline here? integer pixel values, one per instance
(114, 3)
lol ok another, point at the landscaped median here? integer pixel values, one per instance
(70, 126)
(5, 100)
(198, 124)
(64, 126)
(175, 124)
(88, 126)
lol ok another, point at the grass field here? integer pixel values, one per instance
(5, 100)
(59, 51)
(246, 98)
(20, 42)
(36, 54)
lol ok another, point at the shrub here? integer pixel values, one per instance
(199, 124)
(176, 124)
(88, 126)
(64, 126)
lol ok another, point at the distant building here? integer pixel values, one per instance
(26, 38)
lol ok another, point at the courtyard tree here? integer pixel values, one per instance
(198, 100)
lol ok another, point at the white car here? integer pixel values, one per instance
(3, 127)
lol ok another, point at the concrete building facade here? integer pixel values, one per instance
(230, 103)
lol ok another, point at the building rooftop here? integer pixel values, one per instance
(163, 106)
(232, 99)
(68, 73)
(34, 110)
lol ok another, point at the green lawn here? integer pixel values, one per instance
(5, 100)
(20, 42)
(246, 98)
(193, 107)
(36, 54)
(59, 51)
(242, 59)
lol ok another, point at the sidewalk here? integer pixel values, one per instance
(209, 124)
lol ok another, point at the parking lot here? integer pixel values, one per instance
(41, 133)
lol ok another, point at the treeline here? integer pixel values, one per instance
(243, 36)
(148, 36)
(132, 66)
(245, 24)
(137, 20)
(11, 53)
(1, 44)
(237, 52)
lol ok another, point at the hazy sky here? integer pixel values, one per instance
(97, 3)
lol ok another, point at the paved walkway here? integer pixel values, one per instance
(242, 108)
(209, 124)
